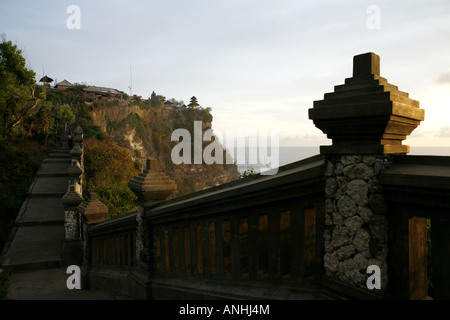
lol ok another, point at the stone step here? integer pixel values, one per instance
(38, 246)
(59, 155)
(53, 169)
(41, 210)
(57, 160)
(61, 150)
(48, 187)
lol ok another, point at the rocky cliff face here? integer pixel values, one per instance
(146, 131)
(116, 112)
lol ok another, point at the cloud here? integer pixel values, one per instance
(444, 131)
(444, 78)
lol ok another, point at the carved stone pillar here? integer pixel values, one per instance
(91, 212)
(78, 137)
(76, 152)
(151, 187)
(74, 172)
(72, 250)
(367, 119)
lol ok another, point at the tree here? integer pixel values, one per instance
(108, 169)
(20, 96)
(177, 103)
(51, 118)
(157, 100)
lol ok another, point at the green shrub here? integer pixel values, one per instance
(108, 169)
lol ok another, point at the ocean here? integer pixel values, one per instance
(292, 154)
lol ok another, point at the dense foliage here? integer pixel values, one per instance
(25, 113)
(108, 169)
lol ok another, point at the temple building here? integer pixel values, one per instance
(46, 81)
(64, 85)
(194, 103)
(104, 93)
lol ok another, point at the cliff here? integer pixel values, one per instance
(145, 132)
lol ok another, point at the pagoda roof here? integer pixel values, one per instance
(46, 79)
(194, 102)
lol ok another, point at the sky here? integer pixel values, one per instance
(259, 65)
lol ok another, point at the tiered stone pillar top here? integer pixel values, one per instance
(366, 115)
(366, 64)
(94, 210)
(152, 186)
(74, 171)
(72, 198)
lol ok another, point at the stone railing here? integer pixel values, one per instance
(72, 248)
(235, 240)
(110, 254)
(113, 243)
(255, 238)
(417, 189)
(314, 230)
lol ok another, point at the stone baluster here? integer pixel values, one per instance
(77, 155)
(74, 172)
(367, 119)
(77, 150)
(151, 187)
(78, 136)
(91, 212)
(72, 250)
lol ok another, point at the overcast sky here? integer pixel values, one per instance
(258, 64)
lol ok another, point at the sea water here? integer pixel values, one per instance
(289, 155)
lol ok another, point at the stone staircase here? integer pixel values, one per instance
(38, 237)
(33, 253)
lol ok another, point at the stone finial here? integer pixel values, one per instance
(366, 64)
(152, 186)
(78, 134)
(74, 171)
(72, 198)
(94, 210)
(76, 152)
(366, 115)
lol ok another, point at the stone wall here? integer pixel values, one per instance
(356, 229)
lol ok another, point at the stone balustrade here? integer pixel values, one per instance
(311, 231)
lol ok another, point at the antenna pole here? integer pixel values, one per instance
(131, 84)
